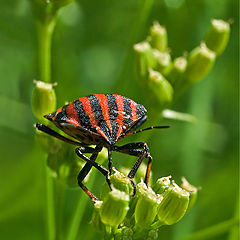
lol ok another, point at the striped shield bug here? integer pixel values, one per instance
(101, 120)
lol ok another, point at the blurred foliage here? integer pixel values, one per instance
(92, 53)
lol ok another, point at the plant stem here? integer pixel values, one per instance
(216, 230)
(78, 213)
(60, 189)
(108, 234)
(45, 31)
(50, 205)
(157, 225)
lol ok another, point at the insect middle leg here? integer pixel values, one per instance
(87, 167)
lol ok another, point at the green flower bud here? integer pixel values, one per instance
(158, 37)
(114, 208)
(43, 99)
(193, 191)
(120, 182)
(140, 174)
(124, 233)
(200, 62)
(163, 61)
(145, 59)
(160, 87)
(177, 69)
(152, 234)
(217, 37)
(61, 158)
(173, 206)
(162, 185)
(146, 208)
(96, 219)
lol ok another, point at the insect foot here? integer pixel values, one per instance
(119, 216)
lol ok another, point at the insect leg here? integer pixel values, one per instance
(133, 149)
(87, 167)
(45, 129)
(110, 161)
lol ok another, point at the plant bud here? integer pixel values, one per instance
(217, 36)
(152, 234)
(200, 62)
(43, 99)
(140, 174)
(163, 61)
(96, 219)
(120, 182)
(146, 208)
(160, 87)
(193, 191)
(158, 37)
(114, 208)
(177, 70)
(162, 185)
(60, 158)
(145, 59)
(124, 233)
(173, 206)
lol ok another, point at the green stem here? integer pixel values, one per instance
(78, 214)
(45, 31)
(157, 225)
(213, 231)
(50, 205)
(108, 234)
(59, 206)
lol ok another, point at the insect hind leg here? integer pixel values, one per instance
(87, 167)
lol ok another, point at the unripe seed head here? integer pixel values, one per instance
(173, 206)
(160, 87)
(114, 208)
(162, 184)
(200, 62)
(158, 37)
(43, 99)
(217, 36)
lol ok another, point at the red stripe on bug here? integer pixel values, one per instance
(120, 105)
(72, 114)
(133, 110)
(120, 117)
(58, 111)
(102, 99)
(88, 109)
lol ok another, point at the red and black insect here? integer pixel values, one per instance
(101, 120)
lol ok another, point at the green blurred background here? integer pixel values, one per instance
(92, 53)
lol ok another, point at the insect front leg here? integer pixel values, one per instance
(49, 131)
(135, 149)
(87, 167)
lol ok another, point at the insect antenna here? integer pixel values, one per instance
(146, 129)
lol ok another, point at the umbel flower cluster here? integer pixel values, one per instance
(119, 215)
(168, 78)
